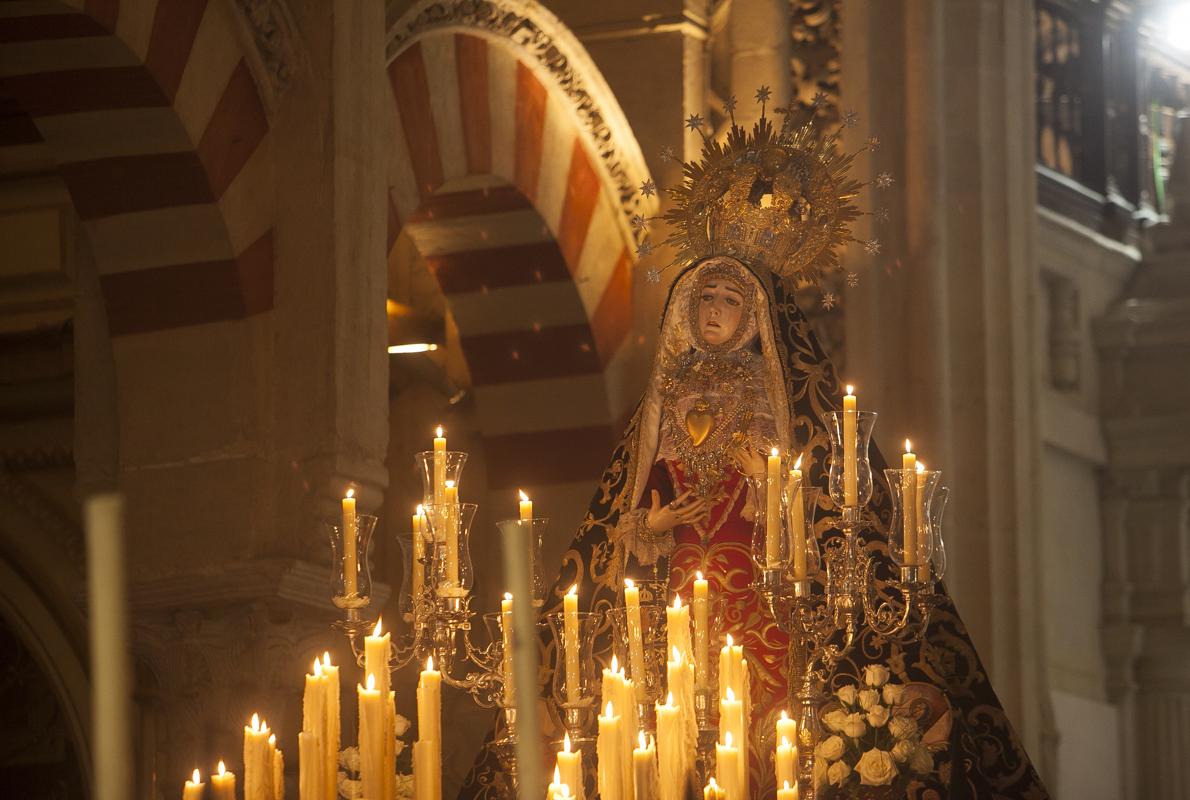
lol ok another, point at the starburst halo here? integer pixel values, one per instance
(777, 199)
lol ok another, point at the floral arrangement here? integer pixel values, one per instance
(349, 782)
(870, 744)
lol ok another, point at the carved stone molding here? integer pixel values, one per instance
(1065, 332)
(543, 41)
(276, 52)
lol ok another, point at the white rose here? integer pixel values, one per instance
(349, 758)
(894, 693)
(834, 720)
(846, 695)
(854, 726)
(400, 725)
(878, 716)
(875, 675)
(921, 761)
(868, 698)
(837, 772)
(820, 772)
(876, 768)
(902, 727)
(830, 748)
(902, 751)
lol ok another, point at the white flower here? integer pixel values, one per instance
(401, 724)
(349, 759)
(403, 787)
(349, 788)
(399, 747)
(878, 716)
(902, 728)
(876, 675)
(854, 725)
(846, 695)
(876, 768)
(902, 751)
(868, 698)
(820, 768)
(835, 720)
(837, 772)
(894, 693)
(921, 761)
(830, 748)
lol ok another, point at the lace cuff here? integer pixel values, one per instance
(634, 535)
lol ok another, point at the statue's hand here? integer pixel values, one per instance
(684, 510)
(748, 460)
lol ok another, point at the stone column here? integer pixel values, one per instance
(1144, 346)
(940, 329)
(760, 42)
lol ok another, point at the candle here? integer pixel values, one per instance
(644, 769)
(555, 787)
(727, 766)
(909, 503)
(426, 779)
(671, 751)
(350, 558)
(570, 629)
(850, 451)
(677, 629)
(278, 761)
(730, 666)
(786, 728)
(789, 792)
(330, 738)
(702, 640)
(371, 738)
(193, 788)
(785, 761)
(636, 649)
(919, 516)
(428, 758)
(258, 766)
(377, 649)
(569, 767)
(797, 521)
(310, 765)
(772, 520)
(620, 692)
(418, 569)
(608, 752)
(451, 514)
(712, 791)
(506, 650)
(732, 726)
(526, 506)
(223, 784)
(439, 466)
(680, 677)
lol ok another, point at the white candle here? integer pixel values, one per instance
(429, 708)
(644, 769)
(223, 784)
(371, 738)
(786, 728)
(788, 791)
(310, 765)
(619, 691)
(636, 649)
(849, 448)
(677, 629)
(418, 569)
(712, 791)
(377, 649)
(784, 762)
(797, 521)
(278, 761)
(671, 751)
(610, 763)
(569, 767)
(909, 503)
(350, 534)
(330, 738)
(426, 776)
(258, 766)
(727, 767)
(732, 726)
(193, 788)
(555, 787)
(919, 516)
(451, 503)
(311, 758)
(702, 638)
(526, 506)
(439, 466)
(506, 650)
(772, 521)
(570, 629)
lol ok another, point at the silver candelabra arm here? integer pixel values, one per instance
(893, 618)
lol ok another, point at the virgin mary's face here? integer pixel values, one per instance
(720, 305)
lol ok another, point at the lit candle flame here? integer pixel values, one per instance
(640, 737)
(615, 663)
(908, 446)
(272, 740)
(370, 685)
(376, 630)
(450, 484)
(524, 497)
(727, 739)
(669, 699)
(798, 464)
(629, 583)
(698, 576)
(787, 786)
(784, 715)
(920, 467)
(350, 494)
(194, 778)
(729, 640)
(429, 663)
(677, 601)
(557, 775)
(326, 658)
(850, 389)
(785, 741)
(421, 510)
(730, 695)
(438, 431)
(564, 790)
(508, 595)
(566, 743)
(776, 452)
(712, 783)
(610, 711)
(573, 590)
(677, 656)
(317, 671)
(222, 769)
(256, 723)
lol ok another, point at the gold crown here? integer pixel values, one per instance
(783, 200)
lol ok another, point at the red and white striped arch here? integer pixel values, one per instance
(509, 197)
(153, 119)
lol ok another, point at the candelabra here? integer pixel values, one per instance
(823, 625)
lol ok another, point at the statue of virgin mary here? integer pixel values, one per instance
(738, 371)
